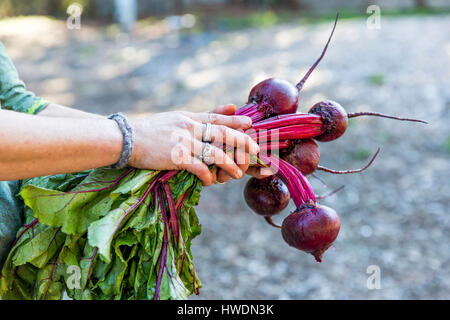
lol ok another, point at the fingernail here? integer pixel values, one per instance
(246, 121)
(266, 172)
(239, 173)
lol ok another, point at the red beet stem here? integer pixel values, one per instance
(349, 171)
(299, 131)
(50, 277)
(168, 175)
(26, 228)
(302, 82)
(286, 176)
(94, 254)
(299, 187)
(112, 184)
(163, 254)
(173, 222)
(376, 114)
(275, 145)
(288, 120)
(252, 111)
(305, 183)
(296, 180)
(133, 207)
(180, 200)
(243, 110)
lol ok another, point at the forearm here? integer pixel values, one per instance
(33, 146)
(58, 111)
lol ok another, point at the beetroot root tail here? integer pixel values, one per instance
(349, 171)
(270, 221)
(376, 114)
(326, 195)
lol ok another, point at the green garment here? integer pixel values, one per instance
(13, 96)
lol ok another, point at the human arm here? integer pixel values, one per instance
(54, 110)
(56, 136)
(34, 146)
(58, 111)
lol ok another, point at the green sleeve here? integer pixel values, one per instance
(13, 94)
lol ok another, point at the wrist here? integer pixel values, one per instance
(111, 141)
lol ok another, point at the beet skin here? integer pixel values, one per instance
(266, 197)
(334, 117)
(276, 96)
(311, 228)
(303, 154)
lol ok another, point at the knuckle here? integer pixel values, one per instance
(188, 124)
(236, 121)
(222, 130)
(213, 118)
(207, 178)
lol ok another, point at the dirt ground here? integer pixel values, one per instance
(394, 216)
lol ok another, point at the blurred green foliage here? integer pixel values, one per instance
(360, 154)
(88, 50)
(232, 14)
(55, 8)
(447, 145)
(253, 20)
(376, 78)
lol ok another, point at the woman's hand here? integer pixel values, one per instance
(254, 171)
(173, 140)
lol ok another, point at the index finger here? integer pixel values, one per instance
(259, 173)
(234, 122)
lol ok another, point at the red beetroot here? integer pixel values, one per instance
(334, 119)
(303, 155)
(274, 97)
(266, 197)
(311, 228)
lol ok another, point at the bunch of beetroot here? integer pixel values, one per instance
(288, 146)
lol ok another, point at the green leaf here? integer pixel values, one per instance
(143, 218)
(72, 212)
(39, 250)
(75, 210)
(102, 231)
(135, 184)
(50, 282)
(99, 222)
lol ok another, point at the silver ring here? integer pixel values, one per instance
(207, 137)
(206, 153)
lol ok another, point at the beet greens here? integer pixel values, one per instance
(121, 228)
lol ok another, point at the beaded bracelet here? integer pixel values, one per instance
(128, 139)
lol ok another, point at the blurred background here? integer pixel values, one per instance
(143, 57)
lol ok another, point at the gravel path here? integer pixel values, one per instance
(394, 216)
